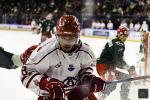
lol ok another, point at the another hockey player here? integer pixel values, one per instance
(9, 60)
(46, 27)
(143, 41)
(112, 58)
(142, 55)
(61, 67)
(34, 27)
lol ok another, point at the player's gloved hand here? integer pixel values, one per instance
(78, 93)
(24, 57)
(94, 83)
(53, 86)
(101, 69)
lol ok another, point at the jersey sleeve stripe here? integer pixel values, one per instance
(28, 83)
(43, 57)
(24, 76)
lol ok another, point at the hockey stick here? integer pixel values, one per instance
(128, 79)
(118, 81)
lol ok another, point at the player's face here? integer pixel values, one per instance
(123, 37)
(49, 16)
(67, 41)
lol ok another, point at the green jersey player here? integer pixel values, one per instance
(46, 27)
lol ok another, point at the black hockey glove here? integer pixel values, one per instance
(94, 83)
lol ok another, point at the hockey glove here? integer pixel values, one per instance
(53, 86)
(78, 93)
(24, 57)
(94, 83)
(101, 69)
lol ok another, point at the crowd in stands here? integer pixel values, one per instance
(110, 26)
(131, 12)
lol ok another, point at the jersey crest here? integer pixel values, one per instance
(71, 67)
(110, 44)
(70, 81)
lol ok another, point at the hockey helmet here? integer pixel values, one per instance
(122, 30)
(68, 25)
(67, 31)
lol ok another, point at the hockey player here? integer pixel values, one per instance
(112, 58)
(46, 27)
(61, 67)
(9, 60)
(143, 40)
(34, 27)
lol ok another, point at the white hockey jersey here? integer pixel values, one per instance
(49, 60)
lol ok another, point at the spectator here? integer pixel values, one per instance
(109, 25)
(137, 26)
(131, 26)
(96, 25)
(144, 26)
(102, 25)
(93, 24)
(103, 10)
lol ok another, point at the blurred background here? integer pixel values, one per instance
(101, 14)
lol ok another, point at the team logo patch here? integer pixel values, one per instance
(71, 67)
(70, 81)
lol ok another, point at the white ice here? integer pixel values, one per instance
(17, 41)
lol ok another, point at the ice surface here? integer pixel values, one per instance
(17, 41)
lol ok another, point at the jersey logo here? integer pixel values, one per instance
(71, 67)
(120, 50)
(110, 44)
(119, 43)
(70, 81)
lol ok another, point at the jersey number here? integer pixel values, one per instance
(24, 70)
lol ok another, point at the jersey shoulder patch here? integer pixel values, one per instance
(110, 44)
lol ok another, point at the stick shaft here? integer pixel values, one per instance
(128, 79)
